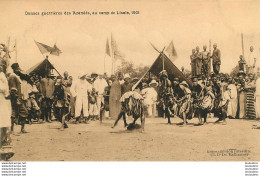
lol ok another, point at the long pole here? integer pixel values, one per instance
(163, 57)
(242, 40)
(210, 59)
(105, 63)
(15, 50)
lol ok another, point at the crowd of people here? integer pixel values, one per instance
(30, 98)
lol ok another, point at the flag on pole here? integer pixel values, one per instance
(108, 48)
(43, 48)
(172, 54)
(115, 51)
(55, 51)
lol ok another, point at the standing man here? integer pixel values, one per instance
(67, 82)
(216, 56)
(198, 60)
(61, 103)
(19, 111)
(251, 61)
(197, 96)
(47, 87)
(100, 84)
(193, 62)
(81, 89)
(125, 87)
(121, 77)
(206, 61)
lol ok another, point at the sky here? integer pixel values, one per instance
(82, 39)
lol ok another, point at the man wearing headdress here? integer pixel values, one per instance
(185, 102)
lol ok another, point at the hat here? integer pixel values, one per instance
(15, 66)
(82, 75)
(94, 74)
(59, 77)
(241, 73)
(184, 83)
(176, 79)
(195, 79)
(153, 83)
(135, 79)
(88, 77)
(127, 76)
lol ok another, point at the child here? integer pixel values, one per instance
(32, 107)
(93, 110)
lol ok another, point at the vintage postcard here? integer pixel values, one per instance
(155, 80)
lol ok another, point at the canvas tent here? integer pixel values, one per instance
(163, 61)
(42, 68)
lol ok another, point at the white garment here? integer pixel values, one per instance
(150, 95)
(121, 82)
(100, 85)
(5, 105)
(226, 97)
(27, 88)
(150, 98)
(232, 106)
(257, 96)
(81, 89)
(251, 59)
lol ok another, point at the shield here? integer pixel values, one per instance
(114, 99)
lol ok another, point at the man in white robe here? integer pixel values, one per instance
(232, 106)
(81, 88)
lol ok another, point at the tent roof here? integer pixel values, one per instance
(169, 66)
(41, 67)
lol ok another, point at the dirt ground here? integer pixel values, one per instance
(159, 142)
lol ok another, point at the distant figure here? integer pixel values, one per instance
(232, 106)
(81, 88)
(61, 103)
(206, 61)
(100, 84)
(242, 64)
(93, 108)
(251, 61)
(198, 62)
(47, 86)
(67, 82)
(150, 97)
(193, 62)
(216, 56)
